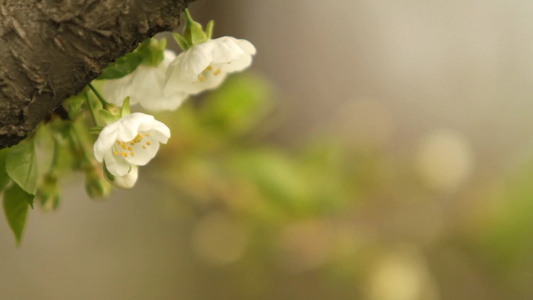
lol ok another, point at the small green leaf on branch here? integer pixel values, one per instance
(21, 166)
(107, 116)
(182, 42)
(209, 29)
(123, 66)
(125, 107)
(4, 178)
(16, 207)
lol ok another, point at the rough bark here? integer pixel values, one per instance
(51, 49)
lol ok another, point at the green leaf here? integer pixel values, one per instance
(16, 206)
(193, 32)
(122, 67)
(209, 29)
(182, 42)
(108, 174)
(198, 36)
(4, 178)
(162, 45)
(107, 116)
(125, 107)
(21, 166)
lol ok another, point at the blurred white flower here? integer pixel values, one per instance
(145, 86)
(204, 66)
(401, 274)
(129, 142)
(445, 160)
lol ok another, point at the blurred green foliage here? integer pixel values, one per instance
(353, 215)
(217, 144)
(350, 221)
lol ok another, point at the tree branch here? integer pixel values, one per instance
(51, 49)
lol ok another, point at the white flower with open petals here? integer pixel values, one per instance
(129, 142)
(145, 86)
(204, 66)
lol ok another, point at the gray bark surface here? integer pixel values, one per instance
(51, 49)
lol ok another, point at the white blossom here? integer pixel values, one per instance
(145, 86)
(131, 141)
(204, 66)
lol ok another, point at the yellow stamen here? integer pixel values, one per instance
(147, 134)
(201, 78)
(125, 154)
(148, 143)
(132, 154)
(144, 147)
(130, 148)
(116, 152)
(209, 68)
(217, 72)
(123, 146)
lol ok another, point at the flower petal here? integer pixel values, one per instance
(146, 82)
(189, 64)
(246, 46)
(131, 125)
(127, 181)
(168, 57)
(165, 101)
(115, 90)
(105, 141)
(238, 65)
(143, 152)
(160, 132)
(226, 50)
(116, 165)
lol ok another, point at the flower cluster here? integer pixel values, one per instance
(205, 66)
(161, 80)
(150, 78)
(145, 86)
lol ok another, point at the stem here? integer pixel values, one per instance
(91, 109)
(55, 157)
(188, 16)
(105, 104)
(81, 144)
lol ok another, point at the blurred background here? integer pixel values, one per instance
(375, 150)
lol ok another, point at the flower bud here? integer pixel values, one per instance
(95, 184)
(48, 192)
(113, 109)
(127, 181)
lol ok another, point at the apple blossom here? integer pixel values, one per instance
(129, 142)
(204, 66)
(145, 87)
